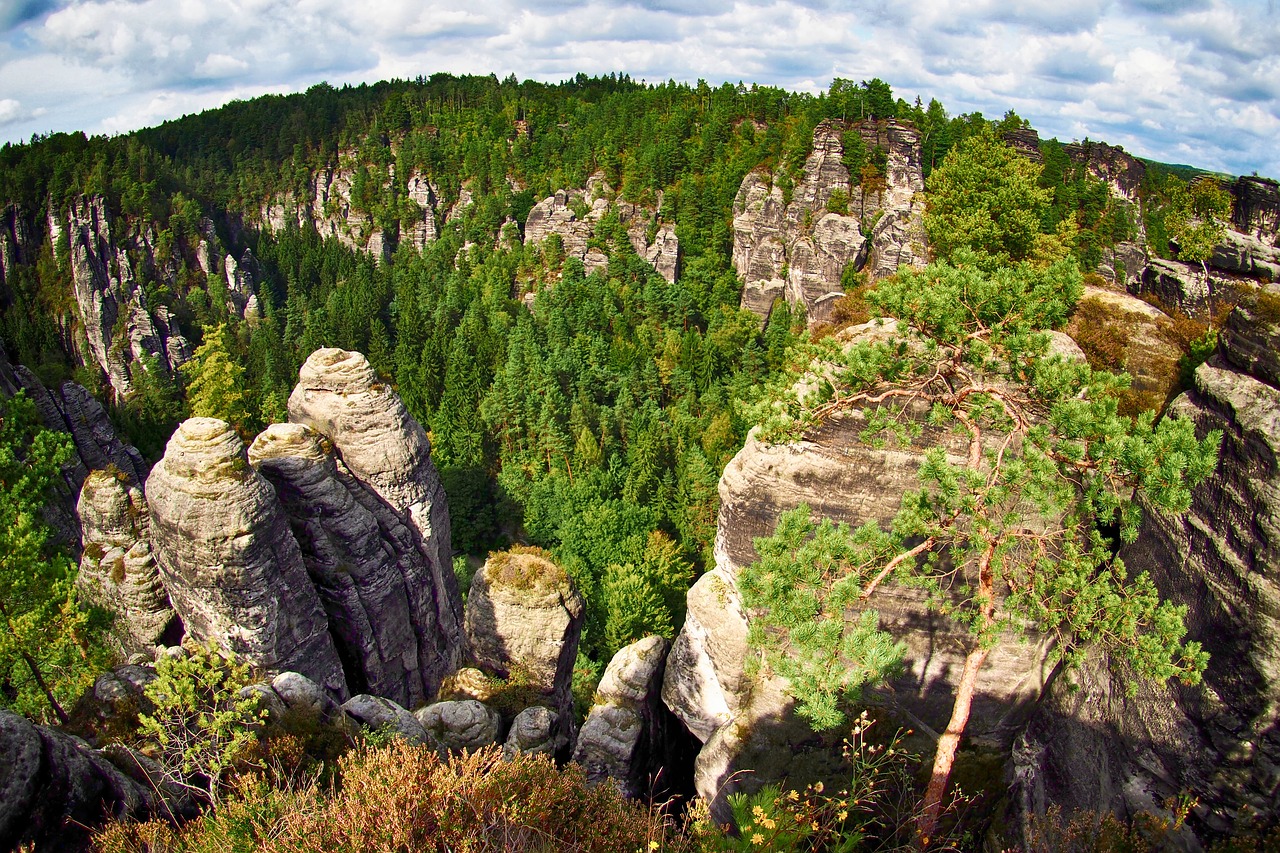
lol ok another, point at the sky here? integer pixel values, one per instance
(1182, 81)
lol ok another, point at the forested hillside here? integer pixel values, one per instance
(551, 279)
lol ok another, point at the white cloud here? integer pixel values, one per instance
(1149, 74)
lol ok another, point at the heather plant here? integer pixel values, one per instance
(401, 797)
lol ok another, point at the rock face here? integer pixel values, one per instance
(1246, 255)
(16, 245)
(226, 555)
(119, 330)
(53, 787)
(332, 206)
(1140, 334)
(363, 583)
(798, 249)
(573, 215)
(524, 620)
(623, 738)
(1112, 165)
(375, 713)
(386, 450)
(117, 569)
(1101, 748)
(739, 717)
(1256, 207)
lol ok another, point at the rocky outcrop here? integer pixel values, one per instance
(364, 584)
(798, 249)
(1256, 208)
(339, 396)
(624, 736)
(1246, 255)
(1111, 164)
(458, 725)
(1122, 332)
(1026, 141)
(573, 215)
(378, 714)
(332, 206)
(1118, 744)
(119, 331)
(117, 569)
(1186, 287)
(16, 244)
(535, 731)
(226, 555)
(524, 620)
(54, 788)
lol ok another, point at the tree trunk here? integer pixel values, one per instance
(948, 743)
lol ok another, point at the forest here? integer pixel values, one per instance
(588, 413)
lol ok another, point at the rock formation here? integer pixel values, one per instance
(535, 731)
(1100, 747)
(572, 215)
(798, 249)
(458, 725)
(1111, 164)
(623, 738)
(386, 450)
(226, 555)
(524, 620)
(364, 584)
(378, 714)
(53, 787)
(117, 569)
(843, 479)
(1256, 208)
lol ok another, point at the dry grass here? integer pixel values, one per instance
(525, 567)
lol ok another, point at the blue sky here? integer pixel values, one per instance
(1187, 81)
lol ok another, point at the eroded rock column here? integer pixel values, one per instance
(225, 553)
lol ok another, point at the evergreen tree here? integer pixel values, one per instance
(216, 382)
(51, 648)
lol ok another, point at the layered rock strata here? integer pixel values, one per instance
(117, 569)
(1118, 744)
(364, 584)
(340, 397)
(226, 555)
(798, 249)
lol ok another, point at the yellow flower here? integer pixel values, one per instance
(757, 839)
(757, 811)
(768, 823)
(843, 815)
(818, 787)
(653, 845)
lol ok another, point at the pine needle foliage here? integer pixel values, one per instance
(1013, 538)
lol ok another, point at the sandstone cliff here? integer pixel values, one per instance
(797, 249)
(573, 216)
(1100, 747)
(228, 560)
(364, 584)
(339, 396)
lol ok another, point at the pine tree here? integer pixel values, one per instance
(216, 382)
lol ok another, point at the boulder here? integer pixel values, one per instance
(339, 396)
(1246, 255)
(459, 725)
(54, 789)
(228, 559)
(117, 569)
(535, 731)
(378, 714)
(364, 584)
(1256, 210)
(524, 620)
(624, 736)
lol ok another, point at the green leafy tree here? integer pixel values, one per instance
(985, 197)
(1197, 219)
(216, 385)
(1009, 540)
(203, 721)
(50, 647)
